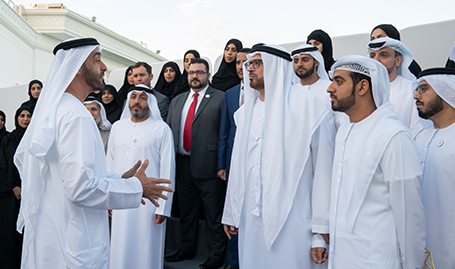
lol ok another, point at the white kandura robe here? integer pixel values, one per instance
(136, 240)
(292, 247)
(71, 222)
(376, 223)
(319, 88)
(437, 154)
(402, 97)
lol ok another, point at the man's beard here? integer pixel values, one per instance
(97, 120)
(93, 79)
(308, 73)
(434, 107)
(345, 103)
(198, 85)
(141, 113)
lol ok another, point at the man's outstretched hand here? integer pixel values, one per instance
(150, 187)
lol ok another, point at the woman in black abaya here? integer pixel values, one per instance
(111, 102)
(182, 84)
(169, 76)
(10, 192)
(226, 77)
(3, 131)
(127, 84)
(323, 42)
(34, 90)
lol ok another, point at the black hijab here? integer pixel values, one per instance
(114, 108)
(10, 175)
(392, 32)
(31, 103)
(182, 85)
(327, 49)
(18, 133)
(123, 92)
(164, 87)
(226, 77)
(3, 131)
(389, 30)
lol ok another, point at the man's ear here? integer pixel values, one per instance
(363, 86)
(398, 60)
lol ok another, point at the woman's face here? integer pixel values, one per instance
(107, 97)
(169, 74)
(35, 90)
(317, 44)
(24, 119)
(129, 77)
(187, 61)
(2, 122)
(377, 33)
(230, 53)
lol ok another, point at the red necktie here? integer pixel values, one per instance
(189, 123)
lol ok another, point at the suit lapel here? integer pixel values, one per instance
(179, 108)
(205, 100)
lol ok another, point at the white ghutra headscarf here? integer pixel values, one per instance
(397, 45)
(40, 135)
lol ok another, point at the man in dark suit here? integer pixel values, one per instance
(194, 118)
(142, 74)
(233, 99)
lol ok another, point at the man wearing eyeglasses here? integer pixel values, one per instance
(194, 117)
(435, 100)
(279, 188)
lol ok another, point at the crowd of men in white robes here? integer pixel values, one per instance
(349, 168)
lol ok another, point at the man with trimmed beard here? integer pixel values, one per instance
(233, 99)
(396, 58)
(137, 239)
(66, 189)
(278, 194)
(435, 100)
(99, 115)
(376, 215)
(194, 117)
(311, 75)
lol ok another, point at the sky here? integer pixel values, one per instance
(174, 27)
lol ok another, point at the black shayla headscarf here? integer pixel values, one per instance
(182, 85)
(31, 103)
(327, 49)
(168, 88)
(114, 108)
(18, 133)
(123, 92)
(3, 131)
(393, 32)
(226, 77)
(389, 30)
(10, 177)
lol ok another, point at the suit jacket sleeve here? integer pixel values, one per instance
(224, 135)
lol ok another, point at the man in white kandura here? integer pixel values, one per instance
(66, 190)
(376, 215)
(435, 100)
(396, 58)
(99, 115)
(278, 194)
(311, 75)
(138, 234)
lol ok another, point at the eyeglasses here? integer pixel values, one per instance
(255, 63)
(421, 89)
(198, 73)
